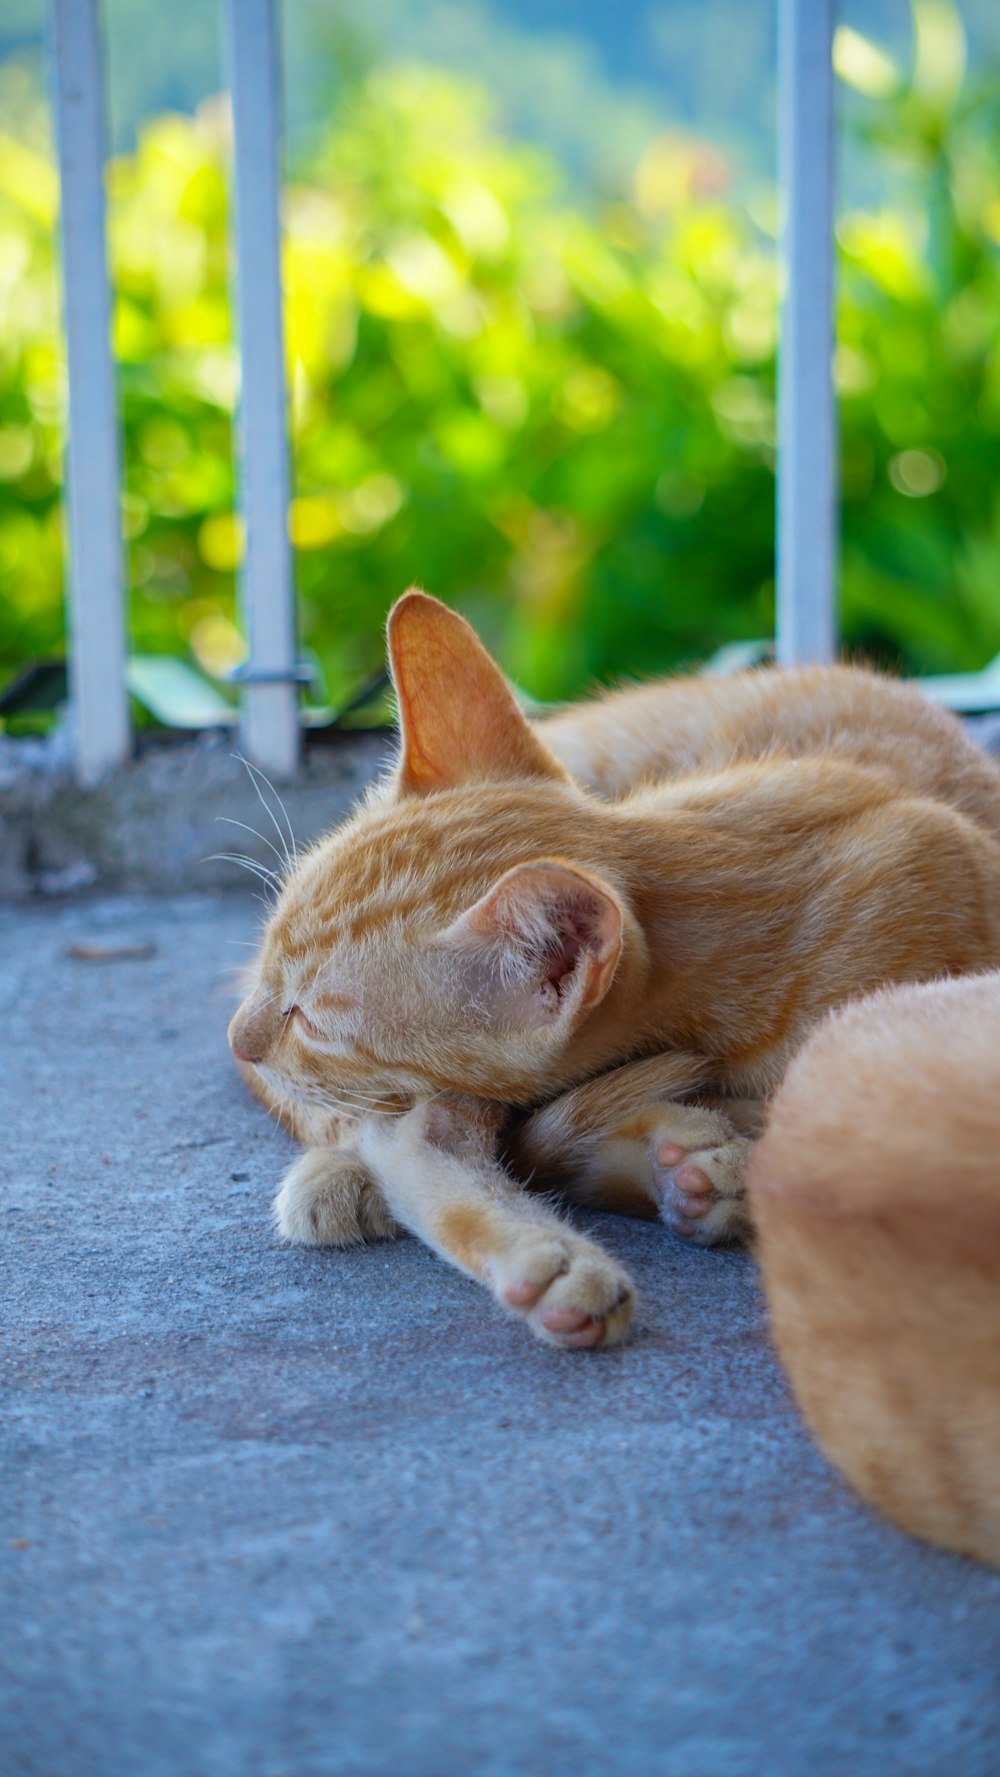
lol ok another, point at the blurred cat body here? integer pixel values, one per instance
(583, 921)
(876, 1202)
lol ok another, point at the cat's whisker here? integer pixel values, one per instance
(362, 1108)
(269, 998)
(230, 822)
(234, 973)
(291, 858)
(265, 805)
(287, 820)
(282, 1121)
(259, 870)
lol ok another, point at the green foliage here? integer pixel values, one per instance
(563, 423)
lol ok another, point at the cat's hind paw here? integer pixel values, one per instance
(327, 1199)
(701, 1190)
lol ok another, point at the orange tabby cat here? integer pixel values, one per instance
(876, 1197)
(534, 939)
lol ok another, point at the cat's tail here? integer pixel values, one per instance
(876, 1194)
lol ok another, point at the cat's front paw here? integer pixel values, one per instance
(570, 1292)
(327, 1199)
(701, 1189)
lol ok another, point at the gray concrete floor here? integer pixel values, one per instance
(283, 1512)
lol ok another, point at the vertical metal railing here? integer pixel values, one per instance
(270, 698)
(806, 493)
(96, 607)
(805, 619)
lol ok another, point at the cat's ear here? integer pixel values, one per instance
(547, 938)
(459, 719)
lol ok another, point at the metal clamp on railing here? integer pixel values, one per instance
(248, 674)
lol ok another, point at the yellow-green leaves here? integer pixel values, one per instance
(862, 64)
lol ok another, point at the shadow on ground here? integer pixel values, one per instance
(275, 1512)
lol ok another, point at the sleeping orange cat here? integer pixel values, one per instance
(582, 952)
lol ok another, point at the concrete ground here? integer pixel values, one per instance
(277, 1512)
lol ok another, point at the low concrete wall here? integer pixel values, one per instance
(154, 826)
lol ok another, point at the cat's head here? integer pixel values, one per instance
(461, 929)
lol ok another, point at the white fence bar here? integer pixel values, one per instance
(807, 475)
(270, 728)
(96, 616)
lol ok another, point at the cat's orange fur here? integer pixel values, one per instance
(543, 937)
(876, 1196)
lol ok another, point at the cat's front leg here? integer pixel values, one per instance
(328, 1198)
(436, 1172)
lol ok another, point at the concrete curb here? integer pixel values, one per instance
(154, 826)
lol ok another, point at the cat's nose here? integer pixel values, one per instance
(253, 1030)
(246, 1042)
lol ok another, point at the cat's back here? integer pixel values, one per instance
(677, 727)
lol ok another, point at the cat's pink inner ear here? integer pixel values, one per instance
(459, 718)
(561, 925)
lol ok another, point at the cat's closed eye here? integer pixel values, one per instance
(304, 1024)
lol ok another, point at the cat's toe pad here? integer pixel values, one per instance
(574, 1329)
(523, 1295)
(571, 1326)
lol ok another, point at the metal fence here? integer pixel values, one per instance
(270, 730)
